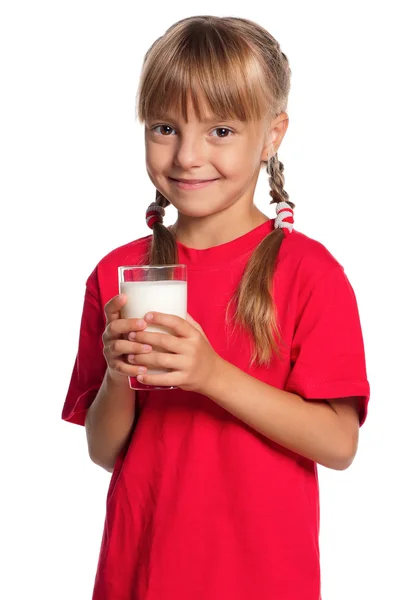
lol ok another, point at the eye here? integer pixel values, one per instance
(164, 126)
(225, 129)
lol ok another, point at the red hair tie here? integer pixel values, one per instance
(284, 218)
(154, 214)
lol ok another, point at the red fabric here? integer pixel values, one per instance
(200, 506)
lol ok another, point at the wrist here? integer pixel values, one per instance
(118, 380)
(215, 377)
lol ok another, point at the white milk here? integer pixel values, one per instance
(168, 297)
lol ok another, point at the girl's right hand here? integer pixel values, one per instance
(117, 349)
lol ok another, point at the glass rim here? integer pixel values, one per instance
(150, 266)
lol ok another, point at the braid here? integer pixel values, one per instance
(163, 247)
(276, 180)
(161, 200)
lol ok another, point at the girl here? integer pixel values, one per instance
(214, 490)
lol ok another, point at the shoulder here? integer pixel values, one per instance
(307, 257)
(310, 277)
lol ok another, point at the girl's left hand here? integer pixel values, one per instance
(189, 353)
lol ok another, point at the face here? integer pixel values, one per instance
(227, 152)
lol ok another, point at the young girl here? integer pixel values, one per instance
(214, 491)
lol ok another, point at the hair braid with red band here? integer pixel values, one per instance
(284, 216)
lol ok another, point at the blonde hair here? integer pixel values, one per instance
(239, 68)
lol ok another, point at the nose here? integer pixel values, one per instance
(190, 153)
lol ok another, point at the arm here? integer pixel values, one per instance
(327, 355)
(110, 420)
(325, 432)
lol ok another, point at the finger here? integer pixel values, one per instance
(179, 326)
(112, 308)
(120, 347)
(197, 326)
(159, 360)
(166, 341)
(124, 368)
(194, 323)
(166, 379)
(118, 327)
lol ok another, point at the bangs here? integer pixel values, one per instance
(221, 76)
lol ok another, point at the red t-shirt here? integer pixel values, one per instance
(200, 506)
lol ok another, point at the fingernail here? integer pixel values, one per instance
(149, 316)
(132, 335)
(140, 323)
(131, 358)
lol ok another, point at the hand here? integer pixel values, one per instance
(190, 356)
(115, 344)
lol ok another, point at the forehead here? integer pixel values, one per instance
(204, 113)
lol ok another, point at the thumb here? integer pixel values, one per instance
(196, 325)
(192, 322)
(112, 308)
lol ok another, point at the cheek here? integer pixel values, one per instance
(149, 171)
(228, 165)
(237, 162)
(237, 169)
(156, 156)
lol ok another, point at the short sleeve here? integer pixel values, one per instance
(327, 353)
(90, 364)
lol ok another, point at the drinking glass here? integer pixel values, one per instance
(158, 289)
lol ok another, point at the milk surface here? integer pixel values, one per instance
(168, 297)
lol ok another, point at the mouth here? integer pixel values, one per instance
(192, 184)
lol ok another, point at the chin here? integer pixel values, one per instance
(197, 214)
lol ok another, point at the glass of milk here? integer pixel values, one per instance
(158, 289)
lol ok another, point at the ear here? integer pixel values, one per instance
(276, 133)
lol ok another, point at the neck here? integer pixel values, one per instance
(205, 232)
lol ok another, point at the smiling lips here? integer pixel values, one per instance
(192, 184)
(191, 180)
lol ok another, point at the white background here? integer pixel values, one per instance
(74, 186)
